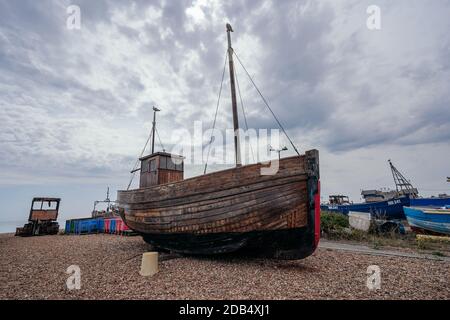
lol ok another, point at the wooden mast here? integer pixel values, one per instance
(237, 148)
(154, 128)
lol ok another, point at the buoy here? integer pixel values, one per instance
(149, 265)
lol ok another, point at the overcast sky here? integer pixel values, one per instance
(75, 105)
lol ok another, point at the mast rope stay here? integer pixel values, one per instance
(217, 109)
(243, 112)
(159, 138)
(133, 172)
(266, 103)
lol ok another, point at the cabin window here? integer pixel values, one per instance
(179, 166)
(170, 164)
(44, 205)
(144, 166)
(152, 165)
(163, 162)
(37, 205)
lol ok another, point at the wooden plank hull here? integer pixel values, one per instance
(274, 215)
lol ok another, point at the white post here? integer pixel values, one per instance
(149, 264)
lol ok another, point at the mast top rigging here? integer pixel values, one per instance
(155, 110)
(151, 136)
(233, 80)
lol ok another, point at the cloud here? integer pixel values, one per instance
(76, 104)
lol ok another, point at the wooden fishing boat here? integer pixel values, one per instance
(275, 215)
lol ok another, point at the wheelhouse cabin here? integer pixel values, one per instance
(44, 209)
(160, 168)
(338, 199)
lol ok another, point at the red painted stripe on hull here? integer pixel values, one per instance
(317, 215)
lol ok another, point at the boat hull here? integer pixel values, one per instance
(432, 202)
(279, 244)
(389, 209)
(273, 215)
(428, 220)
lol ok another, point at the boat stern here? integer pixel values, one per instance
(312, 168)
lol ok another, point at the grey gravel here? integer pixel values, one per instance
(35, 268)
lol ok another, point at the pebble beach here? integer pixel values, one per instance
(35, 268)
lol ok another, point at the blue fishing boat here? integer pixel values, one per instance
(388, 209)
(429, 219)
(385, 205)
(430, 202)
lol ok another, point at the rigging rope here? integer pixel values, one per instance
(133, 172)
(217, 109)
(266, 103)
(160, 142)
(245, 117)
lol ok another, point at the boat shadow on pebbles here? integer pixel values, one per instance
(244, 258)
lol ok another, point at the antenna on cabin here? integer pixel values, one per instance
(278, 150)
(402, 185)
(151, 135)
(155, 110)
